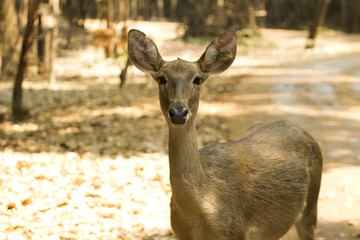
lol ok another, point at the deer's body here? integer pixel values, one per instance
(254, 188)
(107, 39)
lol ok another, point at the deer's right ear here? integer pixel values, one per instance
(219, 55)
(143, 52)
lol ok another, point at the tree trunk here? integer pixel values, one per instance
(11, 37)
(127, 10)
(54, 40)
(318, 21)
(123, 10)
(71, 8)
(252, 18)
(173, 8)
(109, 13)
(356, 18)
(133, 9)
(1, 35)
(109, 23)
(160, 7)
(41, 45)
(18, 112)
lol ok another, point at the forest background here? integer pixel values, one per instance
(82, 158)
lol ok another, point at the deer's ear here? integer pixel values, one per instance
(219, 55)
(143, 52)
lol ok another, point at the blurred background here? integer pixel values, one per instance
(83, 144)
(110, 20)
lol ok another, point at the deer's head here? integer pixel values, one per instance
(180, 81)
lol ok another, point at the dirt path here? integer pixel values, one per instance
(92, 162)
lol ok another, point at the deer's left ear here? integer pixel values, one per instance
(219, 55)
(143, 52)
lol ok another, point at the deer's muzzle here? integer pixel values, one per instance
(178, 113)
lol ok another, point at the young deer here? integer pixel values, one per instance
(254, 188)
(106, 39)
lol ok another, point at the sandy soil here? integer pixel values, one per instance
(91, 163)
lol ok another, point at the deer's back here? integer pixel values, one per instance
(260, 182)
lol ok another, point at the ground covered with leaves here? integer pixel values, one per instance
(91, 162)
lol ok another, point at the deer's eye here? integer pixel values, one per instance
(197, 81)
(161, 80)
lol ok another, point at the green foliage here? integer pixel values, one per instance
(326, 31)
(249, 38)
(217, 56)
(121, 55)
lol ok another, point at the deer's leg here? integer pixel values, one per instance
(123, 73)
(306, 226)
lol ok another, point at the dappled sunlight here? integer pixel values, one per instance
(130, 112)
(340, 190)
(68, 131)
(231, 109)
(125, 197)
(21, 127)
(350, 113)
(220, 109)
(290, 49)
(92, 159)
(84, 117)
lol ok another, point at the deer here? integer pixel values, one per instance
(107, 39)
(253, 188)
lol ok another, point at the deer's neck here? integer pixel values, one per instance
(186, 169)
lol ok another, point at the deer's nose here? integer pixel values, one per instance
(178, 113)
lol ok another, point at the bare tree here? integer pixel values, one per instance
(109, 13)
(124, 10)
(318, 21)
(18, 112)
(160, 8)
(1, 33)
(173, 8)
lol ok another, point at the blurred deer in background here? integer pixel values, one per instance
(110, 42)
(105, 39)
(124, 43)
(256, 187)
